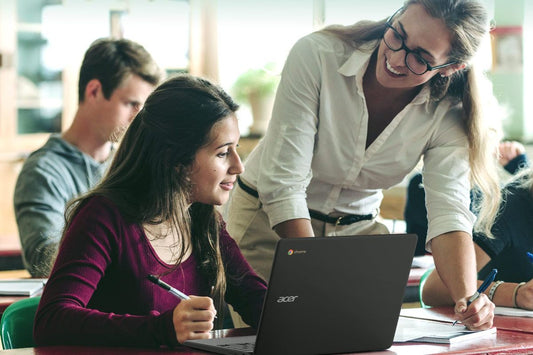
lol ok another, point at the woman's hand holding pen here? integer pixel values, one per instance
(483, 318)
(193, 318)
(479, 315)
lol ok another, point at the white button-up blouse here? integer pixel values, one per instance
(313, 154)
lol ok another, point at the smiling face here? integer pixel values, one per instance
(423, 34)
(217, 164)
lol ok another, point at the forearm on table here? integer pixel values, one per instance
(455, 262)
(105, 328)
(39, 261)
(503, 295)
(435, 293)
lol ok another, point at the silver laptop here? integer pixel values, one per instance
(328, 295)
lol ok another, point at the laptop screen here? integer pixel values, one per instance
(333, 294)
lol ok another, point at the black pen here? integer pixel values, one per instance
(481, 288)
(167, 287)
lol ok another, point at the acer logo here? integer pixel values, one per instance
(287, 299)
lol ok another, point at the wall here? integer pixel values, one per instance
(508, 81)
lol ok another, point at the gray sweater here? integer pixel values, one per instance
(50, 177)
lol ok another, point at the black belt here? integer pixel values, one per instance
(247, 188)
(342, 220)
(339, 221)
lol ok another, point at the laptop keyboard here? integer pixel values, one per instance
(244, 347)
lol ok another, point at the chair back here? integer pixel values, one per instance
(16, 325)
(421, 286)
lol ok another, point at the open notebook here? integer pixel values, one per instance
(329, 295)
(21, 287)
(429, 331)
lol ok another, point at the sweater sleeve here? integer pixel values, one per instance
(39, 201)
(245, 289)
(64, 315)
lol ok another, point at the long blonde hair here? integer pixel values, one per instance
(467, 21)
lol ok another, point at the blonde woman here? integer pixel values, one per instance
(356, 109)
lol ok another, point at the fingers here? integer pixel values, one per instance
(479, 315)
(193, 318)
(509, 150)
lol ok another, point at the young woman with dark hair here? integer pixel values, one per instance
(153, 213)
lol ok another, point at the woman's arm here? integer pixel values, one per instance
(437, 294)
(504, 292)
(295, 228)
(285, 168)
(455, 263)
(90, 246)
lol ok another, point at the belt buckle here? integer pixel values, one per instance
(339, 220)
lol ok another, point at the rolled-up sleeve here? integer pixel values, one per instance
(285, 169)
(446, 180)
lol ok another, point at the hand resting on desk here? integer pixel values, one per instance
(193, 318)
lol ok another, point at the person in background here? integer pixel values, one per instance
(116, 77)
(512, 157)
(356, 108)
(153, 214)
(507, 251)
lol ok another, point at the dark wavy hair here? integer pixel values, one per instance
(148, 179)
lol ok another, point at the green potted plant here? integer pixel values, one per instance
(256, 87)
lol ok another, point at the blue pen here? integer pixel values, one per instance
(530, 257)
(490, 278)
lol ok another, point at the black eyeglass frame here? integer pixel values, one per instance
(388, 26)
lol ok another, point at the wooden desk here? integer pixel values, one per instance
(14, 274)
(505, 342)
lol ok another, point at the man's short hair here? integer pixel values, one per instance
(111, 61)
